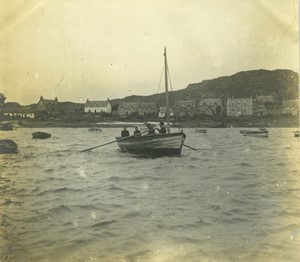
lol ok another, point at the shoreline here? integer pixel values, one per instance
(226, 122)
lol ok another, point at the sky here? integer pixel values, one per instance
(97, 49)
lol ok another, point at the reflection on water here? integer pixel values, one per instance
(235, 199)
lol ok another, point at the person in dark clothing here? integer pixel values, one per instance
(124, 132)
(162, 129)
(137, 132)
(150, 129)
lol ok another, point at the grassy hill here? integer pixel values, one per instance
(283, 84)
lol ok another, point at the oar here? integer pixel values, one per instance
(122, 138)
(191, 147)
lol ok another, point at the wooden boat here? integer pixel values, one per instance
(40, 135)
(199, 130)
(8, 146)
(297, 133)
(155, 144)
(6, 126)
(261, 132)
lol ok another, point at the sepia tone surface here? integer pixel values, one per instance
(234, 198)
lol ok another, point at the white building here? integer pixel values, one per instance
(239, 107)
(98, 106)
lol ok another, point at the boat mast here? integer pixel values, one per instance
(167, 92)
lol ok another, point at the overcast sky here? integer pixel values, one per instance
(99, 49)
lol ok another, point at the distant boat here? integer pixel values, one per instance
(297, 133)
(40, 135)
(155, 144)
(199, 130)
(6, 126)
(8, 146)
(261, 132)
(95, 129)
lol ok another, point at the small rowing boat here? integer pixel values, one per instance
(261, 132)
(8, 146)
(199, 130)
(40, 135)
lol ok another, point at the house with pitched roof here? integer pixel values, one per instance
(185, 108)
(210, 106)
(47, 107)
(98, 106)
(141, 108)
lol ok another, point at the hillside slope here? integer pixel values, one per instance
(283, 84)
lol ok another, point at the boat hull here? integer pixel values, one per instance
(154, 145)
(255, 133)
(7, 126)
(8, 147)
(296, 133)
(40, 135)
(203, 131)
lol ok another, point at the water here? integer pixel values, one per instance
(235, 199)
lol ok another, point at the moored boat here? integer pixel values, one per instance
(6, 126)
(261, 132)
(8, 146)
(200, 130)
(297, 133)
(40, 135)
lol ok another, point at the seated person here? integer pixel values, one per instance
(162, 129)
(150, 129)
(124, 132)
(137, 132)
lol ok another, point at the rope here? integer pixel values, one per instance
(162, 71)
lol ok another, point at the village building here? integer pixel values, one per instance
(185, 108)
(210, 106)
(47, 108)
(15, 110)
(290, 107)
(259, 109)
(142, 108)
(98, 106)
(265, 99)
(163, 110)
(239, 107)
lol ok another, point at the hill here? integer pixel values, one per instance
(283, 84)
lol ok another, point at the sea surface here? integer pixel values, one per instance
(235, 199)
